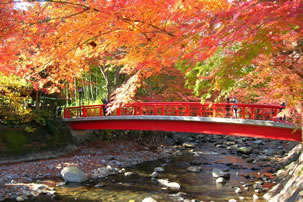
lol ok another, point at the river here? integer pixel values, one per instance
(245, 169)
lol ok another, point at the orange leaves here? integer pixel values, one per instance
(147, 36)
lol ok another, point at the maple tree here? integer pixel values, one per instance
(58, 37)
(260, 43)
(167, 86)
(267, 62)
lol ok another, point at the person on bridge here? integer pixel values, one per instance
(227, 108)
(105, 102)
(284, 116)
(235, 107)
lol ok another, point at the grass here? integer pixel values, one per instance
(16, 141)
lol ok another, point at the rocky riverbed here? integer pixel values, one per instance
(255, 175)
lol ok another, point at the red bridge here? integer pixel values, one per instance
(223, 119)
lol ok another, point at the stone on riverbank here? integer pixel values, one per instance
(2, 198)
(73, 174)
(104, 172)
(244, 150)
(21, 198)
(290, 180)
(10, 177)
(1, 183)
(188, 145)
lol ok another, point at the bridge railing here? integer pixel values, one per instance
(220, 110)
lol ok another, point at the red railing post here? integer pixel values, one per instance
(214, 110)
(275, 112)
(135, 111)
(177, 110)
(118, 111)
(186, 110)
(84, 112)
(66, 113)
(155, 110)
(224, 112)
(243, 112)
(252, 114)
(140, 109)
(100, 110)
(249, 111)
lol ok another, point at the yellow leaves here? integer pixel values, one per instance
(13, 97)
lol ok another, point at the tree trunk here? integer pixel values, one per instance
(75, 91)
(109, 87)
(91, 87)
(107, 80)
(37, 99)
(66, 96)
(117, 77)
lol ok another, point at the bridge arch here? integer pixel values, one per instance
(255, 120)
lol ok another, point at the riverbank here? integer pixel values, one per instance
(20, 181)
(289, 179)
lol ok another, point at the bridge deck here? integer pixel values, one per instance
(186, 118)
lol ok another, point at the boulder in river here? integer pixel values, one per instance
(159, 169)
(220, 180)
(171, 185)
(194, 169)
(126, 174)
(174, 186)
(73, 174)
(154, 174)
(220, 173)
(149, 199)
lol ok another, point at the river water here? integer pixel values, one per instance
(201, 186)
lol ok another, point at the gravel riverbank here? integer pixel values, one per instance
(24, 180)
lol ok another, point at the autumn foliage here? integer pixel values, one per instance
(50, 43)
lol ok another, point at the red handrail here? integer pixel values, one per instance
(220, 110)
